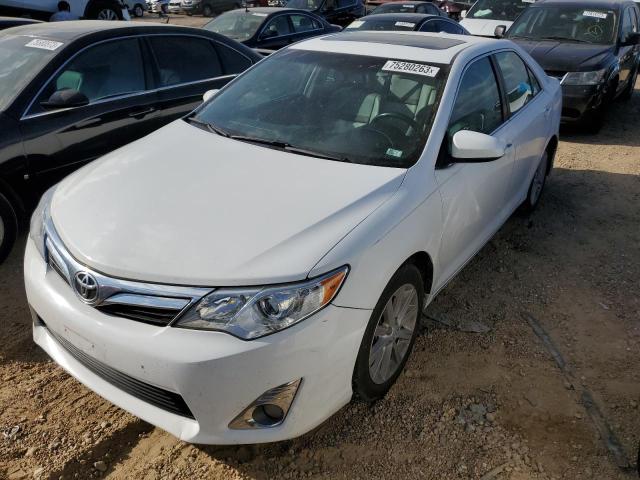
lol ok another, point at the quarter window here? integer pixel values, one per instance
(106, 70)
(184, 59)
(517, 84)
(478, 106)
(304, 23)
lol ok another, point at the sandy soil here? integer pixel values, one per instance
(490, 405)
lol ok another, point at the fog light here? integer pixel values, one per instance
(269, 409)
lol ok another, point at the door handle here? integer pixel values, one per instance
(142, 112)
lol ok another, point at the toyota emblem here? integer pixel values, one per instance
(86, 287)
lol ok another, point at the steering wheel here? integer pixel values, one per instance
(398, 116)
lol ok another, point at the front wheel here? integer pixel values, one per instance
(8, 227)
(537, 185)
(107, 13)
(390, 335)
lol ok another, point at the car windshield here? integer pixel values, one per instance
(572, 24)
(305, 4)
(239, 24)
(373, 23)
(395, 7)
(507, 10)
(21, 58)
(351, 108)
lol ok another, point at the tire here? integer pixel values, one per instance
(387, 342)
(207, 11)
(138, 10)
(627, 93)
(8, 227)
(105, 12)
(537, 185)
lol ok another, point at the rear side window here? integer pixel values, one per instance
(430, 26)
(304, 23)
(440, 26)
(478, 106)
(184, 59)
(518, 87)
(232, 61)
(105, 70)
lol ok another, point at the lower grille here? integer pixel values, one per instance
(168, 401)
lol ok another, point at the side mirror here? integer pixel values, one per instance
(500, 31)
(66, 98)
(632, 39)
(463, 14)
(210, 94)
(468, 146)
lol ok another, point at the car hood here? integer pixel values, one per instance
(185, 206)
(483, 28)
(567, 56)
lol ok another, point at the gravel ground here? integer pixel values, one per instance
(489, 405)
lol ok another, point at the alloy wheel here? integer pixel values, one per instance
(393, 333)
(107, 14)
(538, 180)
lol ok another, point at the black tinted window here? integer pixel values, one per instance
(277, 27)
(430, 26)
(478, 106)
(232, 60)
(448, 27)
(105, 70)
(516, 80)
(304, 23)
(185, 59)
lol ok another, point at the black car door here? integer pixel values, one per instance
(188, 66)
(276, 33)
(305, 26)
(121, 108)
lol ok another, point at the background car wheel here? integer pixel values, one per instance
(106, 13)
(138, 10)
(390, 335)
(8, 227)
(537, 185)
(628, 91)
(207, 11)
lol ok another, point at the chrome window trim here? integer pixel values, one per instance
(118, 291)
(26, 115)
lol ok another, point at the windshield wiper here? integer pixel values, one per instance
(290, 148)
(208, 126)
(567, 39)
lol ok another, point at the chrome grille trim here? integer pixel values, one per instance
(162, 303)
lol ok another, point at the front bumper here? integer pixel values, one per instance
(579, 101)
(216, 374)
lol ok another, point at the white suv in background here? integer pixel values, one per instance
(43, 9)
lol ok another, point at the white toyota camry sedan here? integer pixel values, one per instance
(242, 273)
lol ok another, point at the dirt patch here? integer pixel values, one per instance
(489, 405)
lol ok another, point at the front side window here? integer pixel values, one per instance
(277, 27)
(628, 24)
(478, 106)
(239, 25)
(507, 10)
(566, 23)
(353, 108)
(184, 59)
(105, 70)
(517, 82)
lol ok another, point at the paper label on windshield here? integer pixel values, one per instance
(392, 152)
(405, 24)
(528, 1)
(407, 6)
(44, 44)
(407, 67)
(255, 14)
(355, 24)
(588, 13)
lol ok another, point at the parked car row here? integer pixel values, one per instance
(91, 9)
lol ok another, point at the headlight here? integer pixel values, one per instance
(38, 219)
(250, 313)
(584, 78)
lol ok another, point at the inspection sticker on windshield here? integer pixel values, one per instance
(392, 152)
(256, 14)
(44, 44)
(405, 24)
(528, 1)
(588, 13)
(407, 67)
(355, 24)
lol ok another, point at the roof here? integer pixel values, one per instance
(263, 10)
(402, 17)
(432, 47)
(604, 4)
(409, 2)
(72, 30)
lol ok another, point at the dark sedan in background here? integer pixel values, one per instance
(73, 91)
(336, 12)
(269, 28)
(407, 22)
(591, 46)
(9, 22)
(409, 7)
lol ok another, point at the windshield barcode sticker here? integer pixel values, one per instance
(355, 24)
(44, 44)
(405, 24)
(588, 13)
(528, 1)
(407, 67)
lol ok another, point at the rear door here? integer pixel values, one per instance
(122, 108)
(186, 67)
